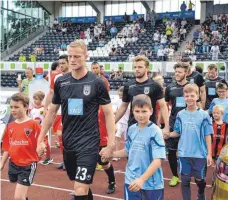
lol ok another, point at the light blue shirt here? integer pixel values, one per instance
(143, 146)
(225, 116)
(217, 101)
(193, 127)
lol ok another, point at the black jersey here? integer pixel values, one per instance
(211, 90)
(80, 100)
(149, 87)
(174, 93)
(196, 78)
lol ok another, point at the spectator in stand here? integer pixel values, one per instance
(156, 47)
(32, 57)
(156, 36)
(153, 17)
(161, 53)
(183, 7)
(196, 35)
(143, 30)
(212, 26)
(215, 51)
(131, 56)
(22, 58)
(174, 42)
(91, 29)
(163, 40)
(183, 22)
(190, 5)
(64, 30)
(142, 52)
(126, 17)
(112, 75)
(113, 51)
(57, 48)
(192, 56)
(82, 35)
(141, 22)
(183, 33)
(149, 52)
(166, 50)
(134, 12)
(169, 31)
(55, 23)
(206, 43)
(171, 53)
(198, 45)
(63, 46)
(113, 31)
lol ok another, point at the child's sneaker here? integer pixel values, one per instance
(174, 181)
(47, 161)
(99, 167)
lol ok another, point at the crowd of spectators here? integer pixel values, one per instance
(211, 37)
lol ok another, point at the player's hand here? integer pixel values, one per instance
(166, 136)
(136, 185)
(106, 153)
(209, 160)
(41, 149)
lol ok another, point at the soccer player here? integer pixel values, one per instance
(194, 127)
(37, 113)
(57, 124)
(221, 90)
(143, 85)
(210, 83)
(197, 78)
(174, 94)
(220, 132)
(145, 150)
(19, 143)
(80, 93)
(107, 166)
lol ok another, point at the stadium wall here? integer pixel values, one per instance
(163, 67)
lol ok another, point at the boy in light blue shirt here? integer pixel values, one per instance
(221, 90)
(145, 149)
(194, 127)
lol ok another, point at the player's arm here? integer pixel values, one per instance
(120, 154)
(48, 120)
(120, 112)
(209, 154)
(49, 98)
(164, 113)
(4, 159)
(110, 124)
(203, 96)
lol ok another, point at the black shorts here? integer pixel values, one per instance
(172, 143)
(81, 166)
(99, 158)
(22, 175)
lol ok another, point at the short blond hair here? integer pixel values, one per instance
(192, 87)
(159, 80)
(78, 43)
(142, 58)
(39, 94)
(218, 107)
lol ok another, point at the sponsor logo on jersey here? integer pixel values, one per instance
(27, 131)
(65, 83)
(146, 90)
(86, 89)
(18, 143)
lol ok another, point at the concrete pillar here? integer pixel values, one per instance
(99, 7)
(203, 11)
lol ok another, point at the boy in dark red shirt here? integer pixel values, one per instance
(19, 143)
(220, 132)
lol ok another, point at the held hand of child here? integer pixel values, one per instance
(209, 160)
(136, 185)
(41, 149)
(106, 153)
(166, 135)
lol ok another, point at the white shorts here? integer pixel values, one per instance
(121, 130)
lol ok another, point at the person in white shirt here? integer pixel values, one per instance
(160, 53)
(215, 51)
(122, 124)
(156, 36)
(171, 53)
(163, 40)
(183, 22)
(166, 50)
(183, 32)
(131, 57)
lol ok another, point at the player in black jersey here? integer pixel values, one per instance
(174, 94)
(80, 93)
(197, 78)
(210, 83)
(143, 85)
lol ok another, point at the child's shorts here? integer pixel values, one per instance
(143, 194)
(195, 167)
(121, 130)
(20, 174)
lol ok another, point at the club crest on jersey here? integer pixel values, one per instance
(146, 90)
(87, 90)
(27, 131)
